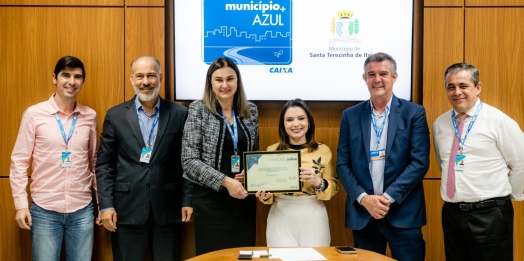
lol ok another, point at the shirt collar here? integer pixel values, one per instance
(388, 106)
(470, 112)
(139, 105)
(53, 108)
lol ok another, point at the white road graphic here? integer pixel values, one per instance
(240, 59)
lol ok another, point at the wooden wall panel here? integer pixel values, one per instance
(268, 113)
(268, 136)
(169, 68)
(262, 213)
(494, 3)
(432, 232)
(443, 46)
(35, 38)
(16, 242)
(328, 114)
(336, 207)
(497, 56)
(146, 2)
(329, 136)
(444, 2)
(188, 244)
(483, 37)
(418, 55)
(144, 35)
(518, 236)
(102, 245)
(64, 2)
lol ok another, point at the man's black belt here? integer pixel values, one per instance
(488, 203)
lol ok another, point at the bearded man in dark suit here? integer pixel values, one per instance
(139, 173)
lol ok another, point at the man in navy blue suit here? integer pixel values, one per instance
(382, 157)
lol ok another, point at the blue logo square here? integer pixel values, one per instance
(248, 32)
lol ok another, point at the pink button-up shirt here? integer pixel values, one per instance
(53, 187)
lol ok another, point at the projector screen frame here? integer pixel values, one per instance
(415, 65)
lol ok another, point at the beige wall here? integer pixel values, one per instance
(107, 34)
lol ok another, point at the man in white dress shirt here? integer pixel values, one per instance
(479, 151)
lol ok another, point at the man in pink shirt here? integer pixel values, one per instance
(60, 136)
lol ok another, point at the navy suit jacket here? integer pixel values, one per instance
(134, 188)
(407, 161)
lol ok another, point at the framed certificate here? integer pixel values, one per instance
(272, 171)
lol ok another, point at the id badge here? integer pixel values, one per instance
(235, 164)
(459, 162)
(377, 154)
(145, 156)
(66, 159)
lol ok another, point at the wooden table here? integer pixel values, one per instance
(329, 252)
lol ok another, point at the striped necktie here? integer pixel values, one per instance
(450, 184)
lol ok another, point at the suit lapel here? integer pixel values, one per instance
(394, 118)
(365, 122)
(163, 119)
(132, 119)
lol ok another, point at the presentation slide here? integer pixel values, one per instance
(286, 49)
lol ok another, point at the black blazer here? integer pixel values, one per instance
(131, 187)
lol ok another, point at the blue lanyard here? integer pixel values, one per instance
(378, 131)
(157, 115)
(66, 139)
(454, 120)
(234, 132)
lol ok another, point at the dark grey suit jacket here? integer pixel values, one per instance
(131, 187)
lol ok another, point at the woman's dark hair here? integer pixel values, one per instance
(311, 144)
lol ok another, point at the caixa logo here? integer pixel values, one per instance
(281, 70)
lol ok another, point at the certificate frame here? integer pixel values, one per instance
(272, 171)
